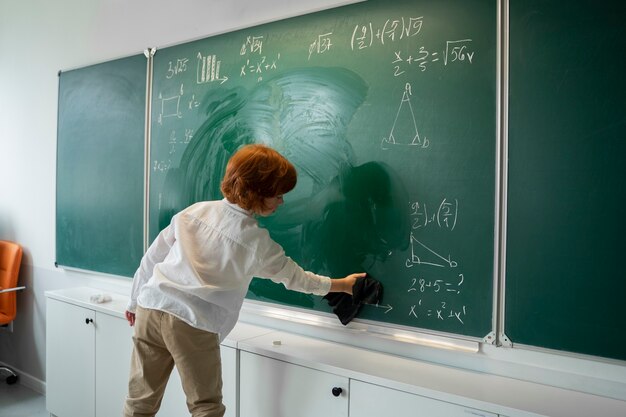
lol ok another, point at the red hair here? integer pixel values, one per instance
(254, 173)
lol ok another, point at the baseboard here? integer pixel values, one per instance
(28, 380)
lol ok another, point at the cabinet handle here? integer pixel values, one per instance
(337, 391)
(88, 320)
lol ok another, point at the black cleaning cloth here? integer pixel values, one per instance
(366, 290)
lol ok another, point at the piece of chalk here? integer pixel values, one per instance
(276, 343)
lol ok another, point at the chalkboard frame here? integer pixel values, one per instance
(498, 336)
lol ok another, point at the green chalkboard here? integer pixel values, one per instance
(388, 111)
(565, 286)
(100, 153)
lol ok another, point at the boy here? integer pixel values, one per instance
(190, 286)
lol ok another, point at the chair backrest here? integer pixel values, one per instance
(10, 260)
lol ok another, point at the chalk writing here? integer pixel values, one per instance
(321, 44)
(458, 51)
(172, 142)
(175, 140)
(173, 106)
(364, 35)
(162, 165)
(175, 68)
(257, 63)
(208, 69)
(409, 134)
(445, 215)
(423, 255)
(260, 66)
(437, 285)
(252, 44)
(188, 136)
(386, 307)
(435, 290)
(193, 103)
(170, 105)
(421, 58)
(439, 311)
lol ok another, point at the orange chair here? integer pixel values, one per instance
(10, 259)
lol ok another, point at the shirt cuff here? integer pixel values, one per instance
(324, 286)
(131, 306)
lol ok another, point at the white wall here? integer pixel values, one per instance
(40, 37)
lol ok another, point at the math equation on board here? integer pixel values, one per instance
(436, 276)
(256, 57)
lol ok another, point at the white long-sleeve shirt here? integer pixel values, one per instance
(200, 266)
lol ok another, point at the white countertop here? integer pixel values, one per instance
(81, 296)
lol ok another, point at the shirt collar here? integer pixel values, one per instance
(236, 207)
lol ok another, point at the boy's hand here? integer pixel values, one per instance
(345, 284)
(130, 317)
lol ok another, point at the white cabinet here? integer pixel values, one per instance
(268, 373)
(70, 361)
(368, 400)
(272, 388)
(88, 362)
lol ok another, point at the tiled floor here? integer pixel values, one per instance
(18, 401)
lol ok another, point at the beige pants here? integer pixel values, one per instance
(162, 341)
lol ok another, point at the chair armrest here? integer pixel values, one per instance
(3, 290)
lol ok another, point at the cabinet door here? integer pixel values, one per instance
(114, 345)
(230, 372)
(70, 360)
(368, 400)
(272, 388)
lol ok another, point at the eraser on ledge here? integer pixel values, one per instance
(277, 343)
